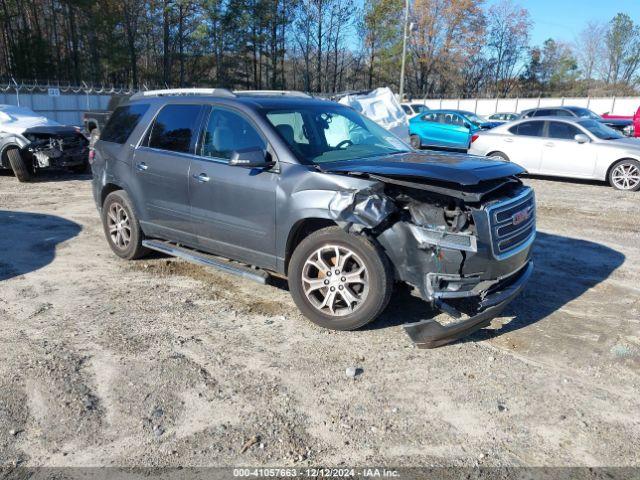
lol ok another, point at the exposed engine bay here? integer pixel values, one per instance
(455, 245)
(51, 148)
(48, 147)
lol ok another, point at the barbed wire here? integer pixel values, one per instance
(43, 86)
(39, 86)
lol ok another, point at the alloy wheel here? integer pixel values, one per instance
(626, 176)
(119, 226)
(335, 280)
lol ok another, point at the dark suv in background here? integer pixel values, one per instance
(622, 125)
(261, 184)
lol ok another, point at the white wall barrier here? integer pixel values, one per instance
(65, 108)
(487, 106)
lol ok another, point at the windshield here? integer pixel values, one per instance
(330, 133)
(585, 113)
(419, 108)
(599, 130)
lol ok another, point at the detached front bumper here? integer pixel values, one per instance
(57, 159)
(430, 334)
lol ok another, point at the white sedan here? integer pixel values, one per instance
(565, 147)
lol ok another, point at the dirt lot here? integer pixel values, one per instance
(157, 362)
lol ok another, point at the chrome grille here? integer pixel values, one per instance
(512, 224)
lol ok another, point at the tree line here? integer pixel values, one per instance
(454, 47)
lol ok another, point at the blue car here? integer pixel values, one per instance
(446, 128)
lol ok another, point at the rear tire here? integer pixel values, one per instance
(625, 175)
(338, 280)
(19, 166)
(121, 226)
(415, 142)
(499, 155)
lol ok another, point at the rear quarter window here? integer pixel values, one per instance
(122, 122)
(528, 129)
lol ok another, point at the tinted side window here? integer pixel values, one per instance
(544, 112)
(173, 128)
(406, 109)
(562, 131)
(122, 122)
(528, 129)
(227, 131)
(562, 113)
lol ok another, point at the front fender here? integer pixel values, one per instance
(306, 194)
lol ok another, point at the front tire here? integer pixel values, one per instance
(498, 155)
(19, 166)
(121, 226)
(338, 280)
(415, 142)
(625, 175)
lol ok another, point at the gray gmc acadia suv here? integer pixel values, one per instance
(274, 183)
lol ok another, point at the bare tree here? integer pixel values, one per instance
(441, 41)
(622, 43)
(508, 28)
(588, 48)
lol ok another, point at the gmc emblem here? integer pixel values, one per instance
(520, 216)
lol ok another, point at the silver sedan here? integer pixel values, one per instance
(564, 147)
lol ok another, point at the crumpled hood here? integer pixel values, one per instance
(51, 130)
(446, 167)
(16, 120)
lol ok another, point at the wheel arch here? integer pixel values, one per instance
(614, 163)
(6, 143)
(300, 230)
(107, 189)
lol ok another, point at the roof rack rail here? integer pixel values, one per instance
(216, 92)
(290, 93)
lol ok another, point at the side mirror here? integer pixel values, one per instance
(467, 125)
(249, 157)
(581, 138)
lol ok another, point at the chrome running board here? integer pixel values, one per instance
(200, 258)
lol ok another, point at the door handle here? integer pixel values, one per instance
(141, 166)
(202, 178)
(548, 144)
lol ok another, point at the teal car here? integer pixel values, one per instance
(446, 128)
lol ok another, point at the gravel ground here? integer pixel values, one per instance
(161, 363)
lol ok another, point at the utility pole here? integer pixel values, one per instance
(404, 47)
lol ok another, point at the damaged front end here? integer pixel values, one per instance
(465, 249)
(51, 147)
(58, 148)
